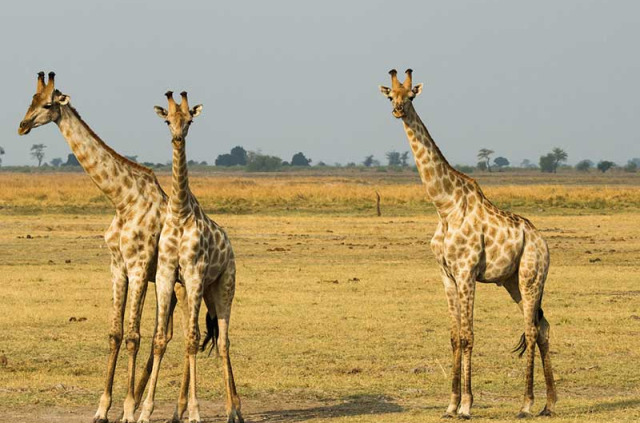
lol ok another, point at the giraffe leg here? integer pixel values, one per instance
(451, 292)
(194, 285)
(165, 279)
(218, 300)
(530, 336)
(137, 289)
(532, 274)
(119, 282)
(146, 371)
(466, 294)
(543, 345)
(181, 407)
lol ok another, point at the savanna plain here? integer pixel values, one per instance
(339, 314)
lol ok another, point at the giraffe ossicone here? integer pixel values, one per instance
(476, 241)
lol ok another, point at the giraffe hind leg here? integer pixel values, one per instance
(542, 340)
(532, 275)
(543, 346)
(218, 299)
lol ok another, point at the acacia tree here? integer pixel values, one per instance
(584, 165)
(237, 157)
(240, 155)
(484, 155)
(559, 156)
(605, 165)
(393, 157)
(526, 164)
(551, 161)
(37, 152)
(299, 159)
(73, 161)
(1, 154)
(547, 163)
(257, 162)
(501, 162)
(368, 161)
(404, 159)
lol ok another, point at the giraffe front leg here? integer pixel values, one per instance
(466, 294)
(119, 282)
(451, 291)
(530, 336)
(146, 371)
(194, 287)
(137, 290)
(181, 406)
(165, 279)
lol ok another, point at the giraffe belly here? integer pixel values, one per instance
(498, 268)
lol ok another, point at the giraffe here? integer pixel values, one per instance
(197, 250)
(132, 237)
(476, 241)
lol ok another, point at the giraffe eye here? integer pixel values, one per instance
(47, 106)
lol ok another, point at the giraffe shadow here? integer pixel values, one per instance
(605, 406)
(354, 405)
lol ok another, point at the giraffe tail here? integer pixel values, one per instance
(211, 335)
(522, 344)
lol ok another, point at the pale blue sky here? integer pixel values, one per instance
(285, 76)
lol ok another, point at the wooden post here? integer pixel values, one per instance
(378, 203)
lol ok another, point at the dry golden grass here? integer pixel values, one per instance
(336, 319)
(296, 193)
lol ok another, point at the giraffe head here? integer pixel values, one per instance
(399, 94)
(179, 116)
(45, 106)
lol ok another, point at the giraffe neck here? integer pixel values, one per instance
(440, 179)
(116, 176)
(179, 200)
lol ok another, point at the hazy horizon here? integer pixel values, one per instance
(282, 77)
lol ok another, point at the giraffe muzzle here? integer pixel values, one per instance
(398, 112)
(25, 127)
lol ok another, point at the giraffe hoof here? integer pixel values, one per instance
(463, 416)
(98, 420)
(524, 415)
(448, 416)
(235, 417)
(546, 413)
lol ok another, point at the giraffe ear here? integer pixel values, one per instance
(195, 110)
(63, 99)
(161, 112)
(385, 91)
(417, 89)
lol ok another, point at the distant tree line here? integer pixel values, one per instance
(258, 162)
